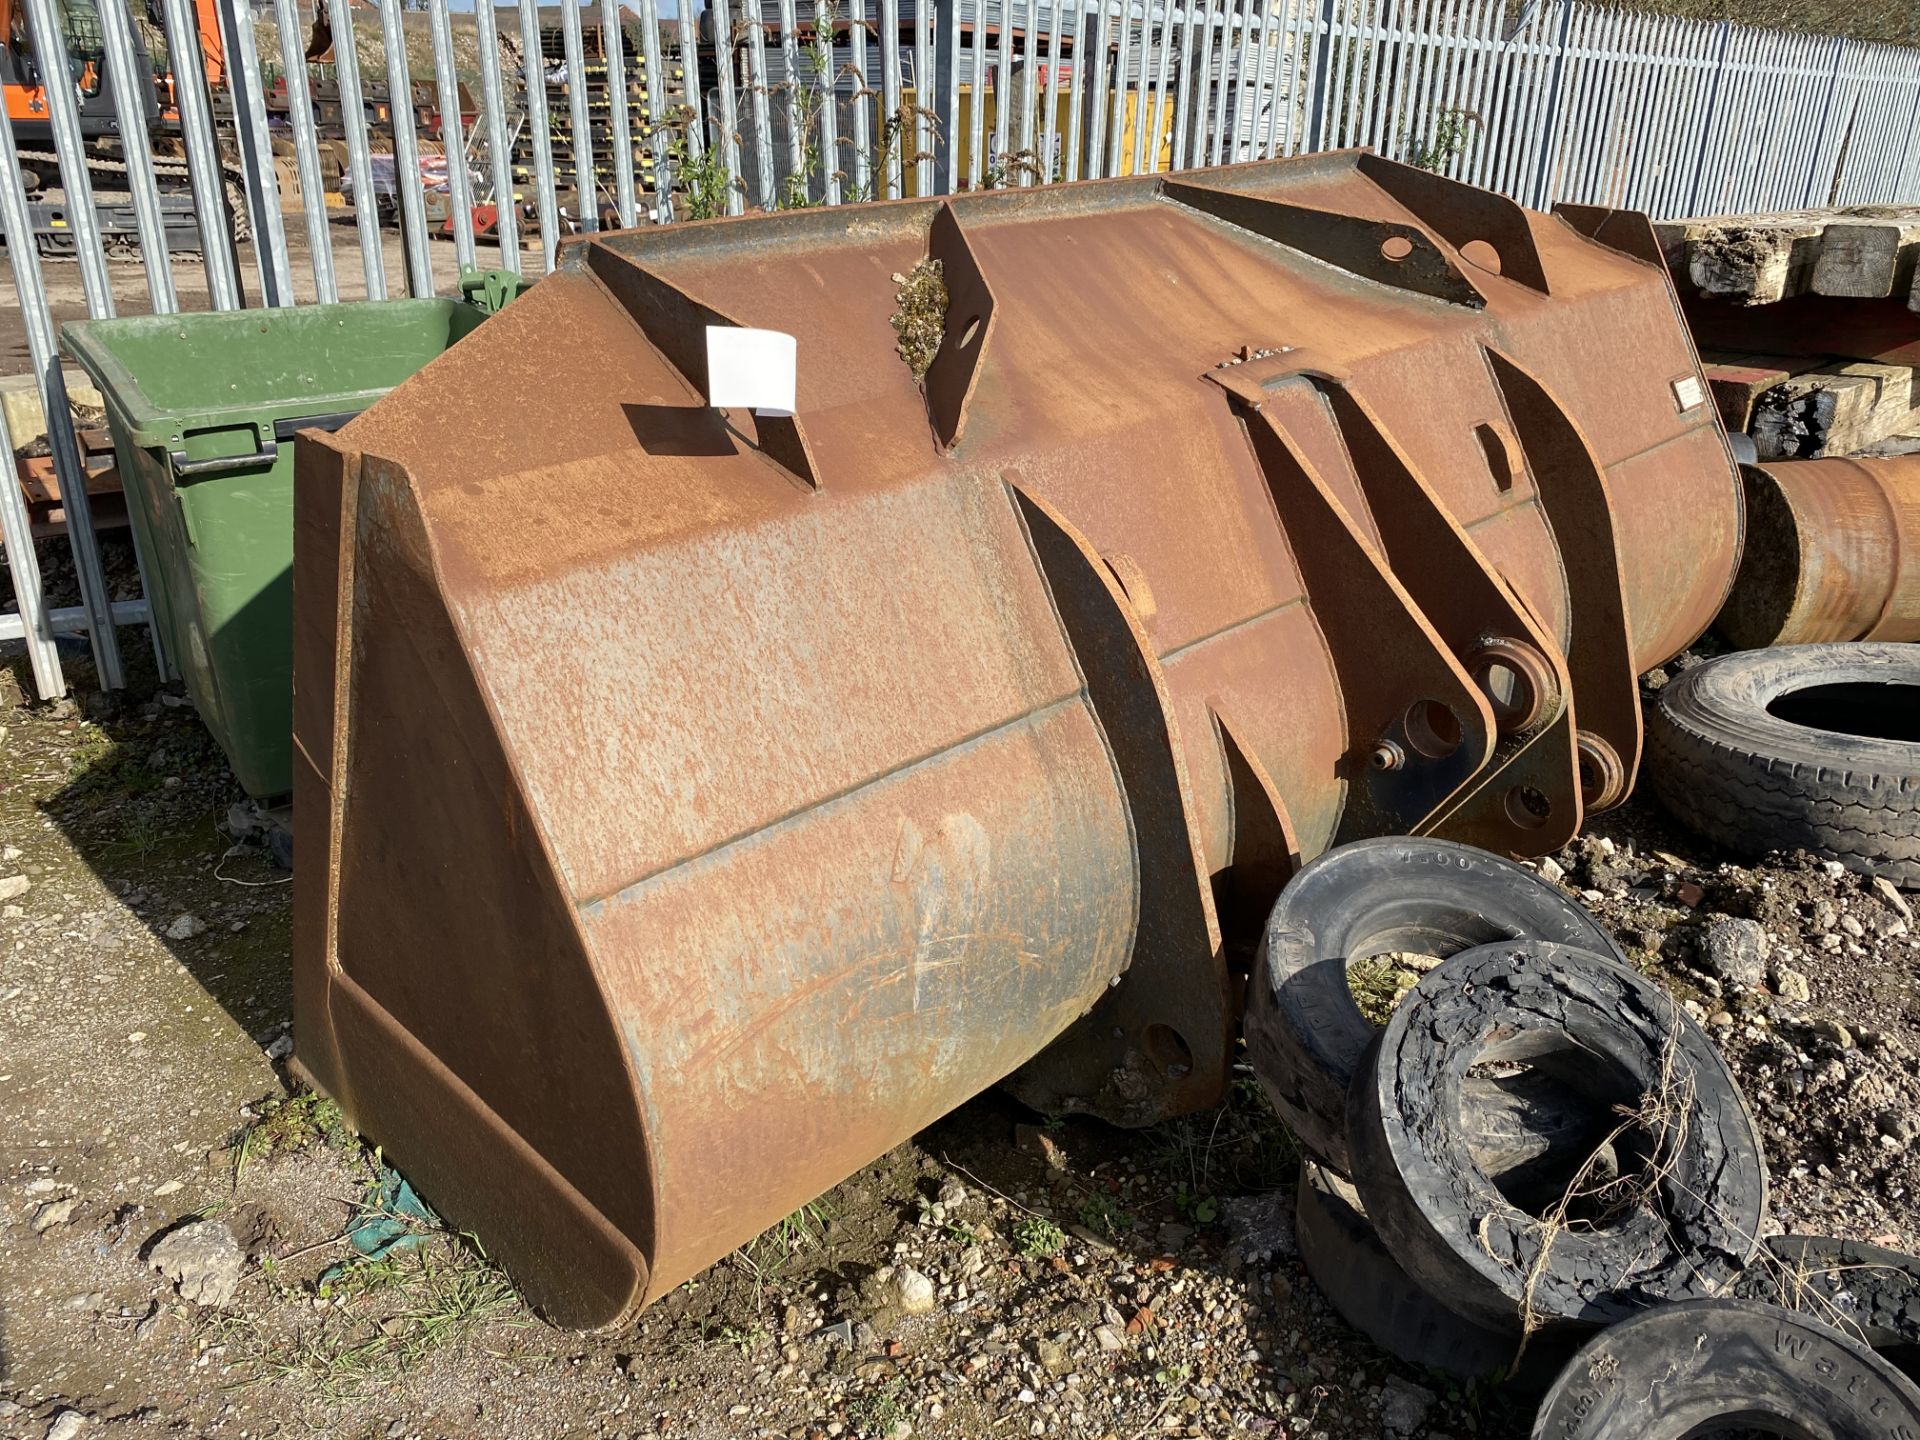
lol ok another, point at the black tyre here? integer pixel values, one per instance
(1726, 1367)
(1680, 1220)
(1862, 1290)
(1369, 1290)
(1812, 747)
(1305, 1035)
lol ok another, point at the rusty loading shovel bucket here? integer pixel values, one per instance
(694, 805)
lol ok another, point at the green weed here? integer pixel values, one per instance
(1200, 1208)
(744, 1340)
(877, 1411)
(1038, 1238)
(139, 839)
(1103, 1214)
(1452, 130)
(284, 1126)
(700, 181)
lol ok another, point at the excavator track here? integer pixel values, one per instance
(107, 176)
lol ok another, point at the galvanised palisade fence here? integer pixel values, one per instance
(839, 101)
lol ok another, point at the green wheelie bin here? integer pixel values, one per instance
(203, 408)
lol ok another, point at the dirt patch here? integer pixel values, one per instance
(1824, 1045)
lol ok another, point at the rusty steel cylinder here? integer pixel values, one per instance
(694, 803)
(1832, 553)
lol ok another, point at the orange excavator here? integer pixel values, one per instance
(24, 75)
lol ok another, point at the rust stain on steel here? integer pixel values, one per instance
(694, 807)
(1832, 553)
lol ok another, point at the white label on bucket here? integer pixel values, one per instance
(752, 368)
(1687, 393)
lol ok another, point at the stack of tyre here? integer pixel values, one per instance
(1541, 1145)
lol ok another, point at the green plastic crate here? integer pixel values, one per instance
(202, 409)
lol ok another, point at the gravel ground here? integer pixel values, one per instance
(995, 1276)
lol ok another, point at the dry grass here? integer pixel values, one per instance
(921, 320)
(1589, 1202)
(1379, 983)
(386, 1317)
(1661, 1120)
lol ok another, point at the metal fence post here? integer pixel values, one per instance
(1223, 82)
(1003, 91)
(797, 181)
(891, 184)
(306, 149)
(1323, 34)
(861, 140)
(493, 119)
(1550, 123)
(130, 73)
(1114, 112)
(1186, 85)
(45, 351)
(1049, 93)
(58, 88)
(366, 206)
(825, 76)
(1709, 117)
(613, 45)
(759, 105)
(406, 150)
(977, 99)
(1162, 71)
(924, 140)
(1030, 60)
(945, 101)
(694, 137)
(453, 135)
(586, 183)
(533, 80)
(256, 154)
(1098, 101)
(729, 116)
(23, 564)
(1826, 113)
(203, 161)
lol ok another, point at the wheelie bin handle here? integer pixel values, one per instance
(284, 429)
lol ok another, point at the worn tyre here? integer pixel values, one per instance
(1523, 1129)
(1368, 1289)
(1305, 1035)
(1714, 1367)
(1812, 747)
(1869, 1293)
(1686, 1229)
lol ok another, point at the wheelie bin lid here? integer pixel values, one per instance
(165, 375)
